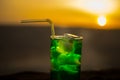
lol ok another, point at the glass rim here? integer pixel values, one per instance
(61, 36)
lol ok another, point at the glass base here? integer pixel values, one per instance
(63, 75)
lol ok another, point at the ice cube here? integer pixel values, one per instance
(70, 36)
(65, 45)
(72, 69)
(67, 41)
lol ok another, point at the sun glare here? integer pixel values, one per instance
(101, 20)
(94, 6)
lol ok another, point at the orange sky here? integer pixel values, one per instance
(61, 12)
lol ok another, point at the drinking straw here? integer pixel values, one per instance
(42, 20)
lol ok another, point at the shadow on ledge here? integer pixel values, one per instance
(85, 75)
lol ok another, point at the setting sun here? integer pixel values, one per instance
(102, 20)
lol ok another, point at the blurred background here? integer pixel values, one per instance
(26, 46)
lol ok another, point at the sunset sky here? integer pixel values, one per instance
(62, 12)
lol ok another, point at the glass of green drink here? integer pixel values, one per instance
(65, 54)
(65, 57)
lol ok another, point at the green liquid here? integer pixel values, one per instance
(65, 58)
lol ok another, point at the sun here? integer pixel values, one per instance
(101, 20)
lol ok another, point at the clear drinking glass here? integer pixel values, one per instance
(65, 54)
(65, 57)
